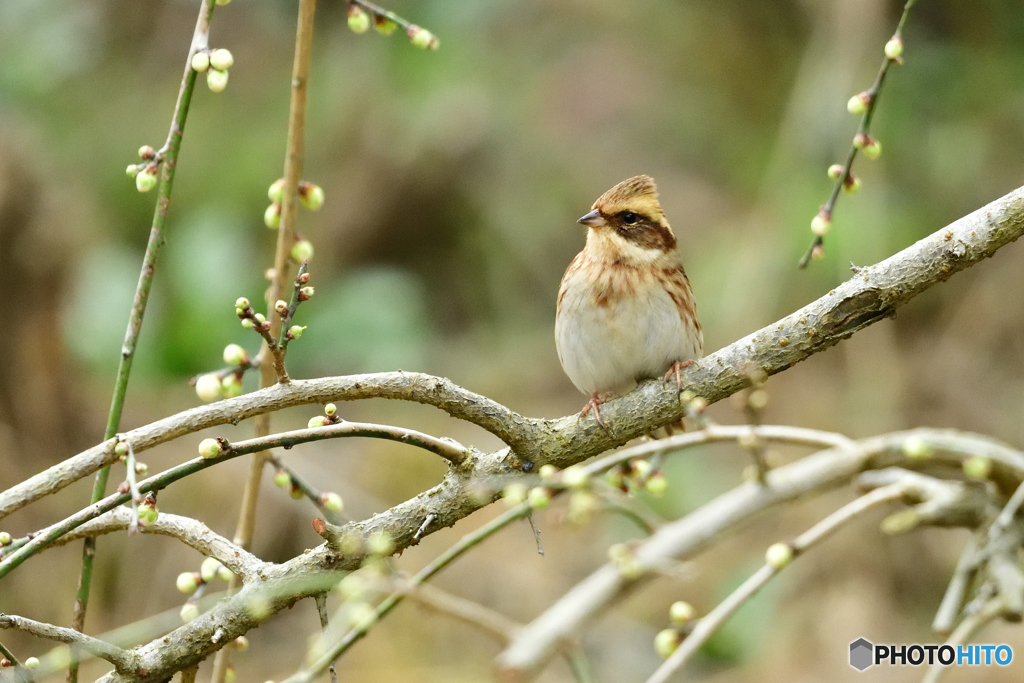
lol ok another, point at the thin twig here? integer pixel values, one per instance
(314, 495)
(275, 370)
(873, 94)
(200, 41)
(359, 630)
(992, 610)
(123, 660)
(473, 613)
(133, 488)
(325, 623)
(707, 625)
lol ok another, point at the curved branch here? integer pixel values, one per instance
(540, 640)
(874, 293)
(123, 660)
(191, 532)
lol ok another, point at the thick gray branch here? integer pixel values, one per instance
(123, 660)
(872, 294)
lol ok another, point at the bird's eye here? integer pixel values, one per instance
(629, 218)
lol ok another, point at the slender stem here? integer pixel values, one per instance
(710, 623)
(992, 610)
(200, 40)
(308, 490)
(359, 630)
(325, 622)
(865, 122)
(122, 660)
(51, 533)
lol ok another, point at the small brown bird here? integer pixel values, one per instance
(625, 308)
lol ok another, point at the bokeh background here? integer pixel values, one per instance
(453, 181)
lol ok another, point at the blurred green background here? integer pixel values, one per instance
(453, 181)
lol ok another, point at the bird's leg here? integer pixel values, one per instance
(596, 399)
(674, 370)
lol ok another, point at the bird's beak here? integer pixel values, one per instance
(592, 219)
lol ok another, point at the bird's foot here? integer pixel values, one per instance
(596, 399)
(674, 370)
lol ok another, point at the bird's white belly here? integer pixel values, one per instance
(606, 349)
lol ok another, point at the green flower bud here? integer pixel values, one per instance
(148, 514)
(582, 504)
(916, 448)
(514, 494)
(852, 184)
(225, 574)
(281, 307)
(230, 674)
(31, 662)
(146, 180)
(241, 302)
(223, 2)
(235, 355)
(383, 25)
(379, 543)
(873, 149)
(332, 501)
(978, 467)
(422, 38)
(209, 448)
(189, 611)
(894, 48)
(656, 484)
(132, 170)
(121, 449)
(141, 468)
(209, 568)
(330, 410)
(859, 103)
(276, 191)
(147, 153)
(208, 387)
(317, 421)
(260, 318)
(575, 477)
(247, 323)
(187, 583)
(539, 497)
(241, 643)
(311, 196)
(640, 469)
(306, 293)
(200, 62)
(221, 59)
(296, 331)
(231, 386)
(358, 20)
(779, 555)
(272, 216)
(302, 251)
(834, 171)
(282, 479)
(548, 472)
(5, 538)
(216, 80)
(681, 612)
(666, 642)
(817, 253)
(821, 224)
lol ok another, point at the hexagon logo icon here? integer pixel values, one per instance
(861, 652)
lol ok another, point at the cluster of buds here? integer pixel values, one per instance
(386, 23)
(330, 417)
(193, 583)
(215, 63)
(575, 479)
(682, 615)
(226, 383)
(145, 172)
(148, 512)
(637, 474)
(251, 320)
(311, 197)
(871, 147)
(851, 183)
